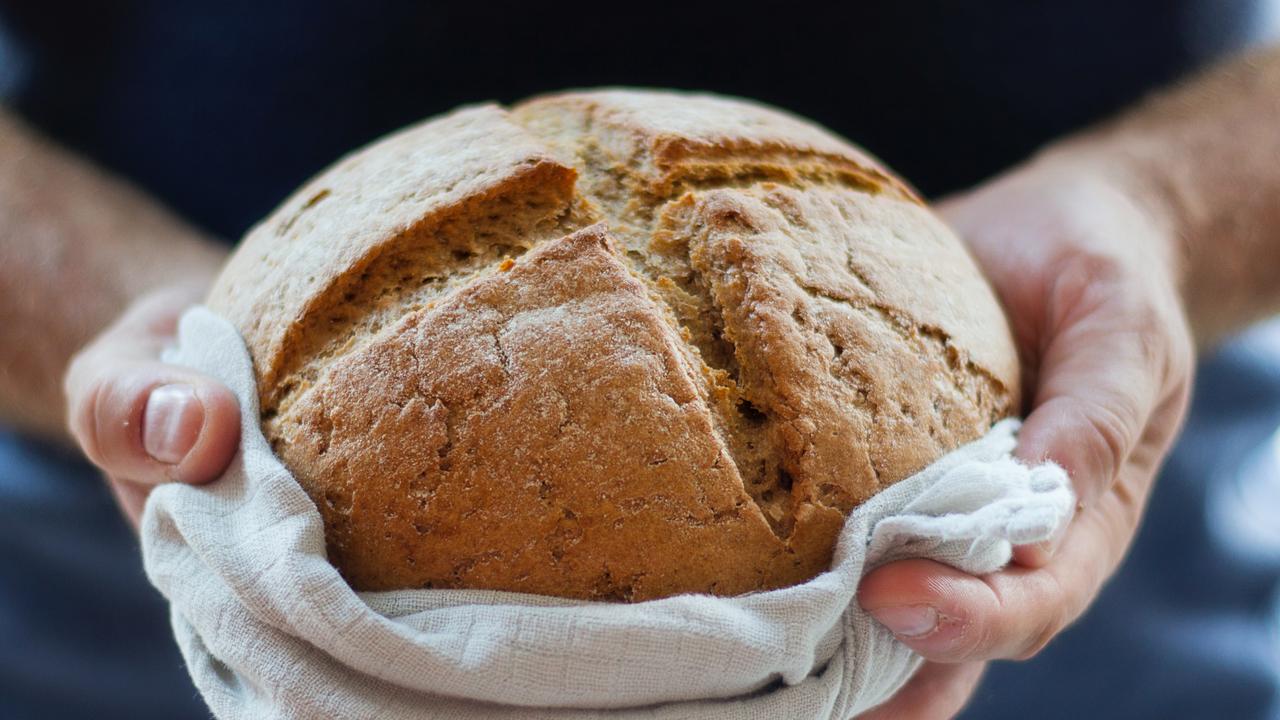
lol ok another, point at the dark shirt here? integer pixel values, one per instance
(220, 109)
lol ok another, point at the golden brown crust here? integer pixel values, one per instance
(637, 344)
(549, 430)
(665, 141)
(402, 191)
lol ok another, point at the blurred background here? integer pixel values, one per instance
(220, 109)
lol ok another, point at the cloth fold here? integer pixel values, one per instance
(270, 630)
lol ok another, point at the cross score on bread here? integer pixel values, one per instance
(610, 345)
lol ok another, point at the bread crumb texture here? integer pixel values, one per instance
(611, 345)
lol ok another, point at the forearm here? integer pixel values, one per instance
(75, 247)
(1204, 161)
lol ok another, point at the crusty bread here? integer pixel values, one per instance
(611, 345)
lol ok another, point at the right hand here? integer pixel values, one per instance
(1090, 277)
(142, 421)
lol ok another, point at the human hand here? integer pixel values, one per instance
(1089, 277)
(142, 421)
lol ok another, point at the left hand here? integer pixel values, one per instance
(142, 421)
(1089, 277)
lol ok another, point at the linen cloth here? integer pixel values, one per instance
(269, 629)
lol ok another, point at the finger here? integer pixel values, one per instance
(950, 616)
(936, 692)
(1088, 418)
(1100, 378)
(1143, 461)
(148, 421)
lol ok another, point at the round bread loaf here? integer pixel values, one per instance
(611, 345)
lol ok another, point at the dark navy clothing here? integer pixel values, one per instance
(82, 634)
(220, 109)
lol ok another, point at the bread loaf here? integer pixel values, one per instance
(613, 345)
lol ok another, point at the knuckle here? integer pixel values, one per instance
(1096, 266)
(1110, 431)
(108, 411)
(1083, 280)
(1138, 301)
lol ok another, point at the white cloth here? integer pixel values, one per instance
(270, 630)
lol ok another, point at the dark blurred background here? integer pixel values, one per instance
(221, 109)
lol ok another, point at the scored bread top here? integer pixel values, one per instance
(611, 345)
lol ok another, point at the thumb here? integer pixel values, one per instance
(1103, 374)
(151, 423)
(143, 420)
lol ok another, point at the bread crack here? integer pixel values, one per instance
(444, 459)
(658, 376)
(417, 269)
(504, 361)
(635, 210)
